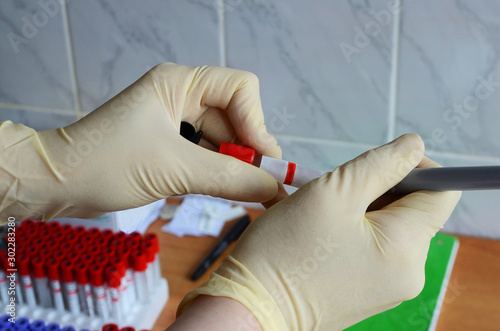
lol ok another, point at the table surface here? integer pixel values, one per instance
(472, 300)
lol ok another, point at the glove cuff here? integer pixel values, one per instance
(28, 180)
(240, 284)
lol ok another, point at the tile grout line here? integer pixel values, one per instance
(71, 59)
(393, 82)
(366, 146)
(221, 13)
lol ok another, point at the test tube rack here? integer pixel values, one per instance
(82, 278)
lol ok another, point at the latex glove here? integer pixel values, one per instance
(129, 152)
(318, 261)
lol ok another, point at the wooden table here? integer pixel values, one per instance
(472, 301)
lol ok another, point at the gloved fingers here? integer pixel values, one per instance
(216, 126)
(221, 176)
(374, 172)
(237, 92)
(280, 195)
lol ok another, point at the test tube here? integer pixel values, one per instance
(140, 280)
(283, 171)
(114, 281)
(55, 284)
(99, 291)
(26, 283)
(41, 281)
(153, 240)
(124, 253)
(84, 290)
(4, 289)
(148, 250)
(70, 288)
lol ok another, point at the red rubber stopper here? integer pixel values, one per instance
(139, 261)
(242, 153)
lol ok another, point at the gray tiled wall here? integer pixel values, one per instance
(341, 76)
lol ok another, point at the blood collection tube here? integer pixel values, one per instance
(127, 328)
(124, 253)
(148, 250)
(22, 324)
(99, 291)
(26, 283)
(4, 288)
(55, 284)
(140, 280)
(113, 280)
(153, 240)
(41, 281)
(283, 171)
(70, 288)
(119, 264)
(84, 289)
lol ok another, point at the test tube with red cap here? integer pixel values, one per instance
(26, 283)
(124, 253)
(139, 265)
(283, 171)
(152, 239)
(4, 289)
(119, 264)
(41, 281)
(113, 278)
(70, 288)
(84, 289)
(99, 291)
(148, 250)
(55, 284)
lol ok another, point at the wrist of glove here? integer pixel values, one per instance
(318, 260)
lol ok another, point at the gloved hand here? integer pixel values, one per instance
(129, 152)
(318, 260)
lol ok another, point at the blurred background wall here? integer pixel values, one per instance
(337, 77)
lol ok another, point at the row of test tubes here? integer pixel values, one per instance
(97, 273)
(24, 324)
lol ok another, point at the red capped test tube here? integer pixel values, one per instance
(70, 288)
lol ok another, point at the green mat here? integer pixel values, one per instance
(422, 312)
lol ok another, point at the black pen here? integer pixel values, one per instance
(232, 234)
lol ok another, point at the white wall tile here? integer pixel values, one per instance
(294, 48)
(447, 49)
(116, 42)
(33, 55)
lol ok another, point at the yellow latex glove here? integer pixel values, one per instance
(129, 152)
(319, 261)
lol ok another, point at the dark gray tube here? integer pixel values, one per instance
(450, 179)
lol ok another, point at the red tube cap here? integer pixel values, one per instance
(22, 263)
(139, 261)
(134, 237)
(81, 276)
(113, 277)
(110, 327)
(96, 276)
(53, 269)
(67, 271)
(150, 252)
(38, 267)
(153, 239)
(242, 153)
